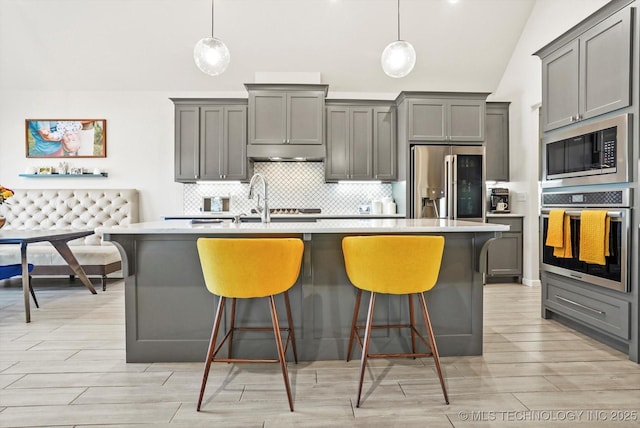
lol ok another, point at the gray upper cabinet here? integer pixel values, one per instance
(210, 141)
(286, 114)
(337, 165)
(384, 144)
(360, 143)
(349, 143)
(589, 75)
(456, 120)
(187, 143)
(560, 87)
(497, 141)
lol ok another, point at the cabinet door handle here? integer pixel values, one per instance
(581, 305)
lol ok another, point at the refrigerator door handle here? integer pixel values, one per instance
(454, 187)
(447, 165)
(450, 178)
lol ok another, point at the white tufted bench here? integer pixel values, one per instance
(70, 209)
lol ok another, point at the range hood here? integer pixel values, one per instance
(286, 152)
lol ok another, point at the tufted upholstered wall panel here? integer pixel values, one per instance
(70, 209)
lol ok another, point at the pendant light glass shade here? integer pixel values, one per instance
(210, 54)
(398, 58)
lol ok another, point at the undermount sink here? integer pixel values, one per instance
(280, 219)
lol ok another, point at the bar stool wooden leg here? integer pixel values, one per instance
(290, 322)
(412, 325)
(354, 323)
(365, 346)
(434, 347)
(283, 362)
(232, 326)
(212, 345)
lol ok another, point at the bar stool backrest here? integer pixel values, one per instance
(250, 267)
(393, 264)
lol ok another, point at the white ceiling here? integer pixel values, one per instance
(130, 45)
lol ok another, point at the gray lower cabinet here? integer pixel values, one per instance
(286, 114)
(322, 301)
(601, 311)
(210, 141)
(497, 141)
(361, 143)
(504, 258)
(446, 119)
(589, 75)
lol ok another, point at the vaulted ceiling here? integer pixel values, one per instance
(148, 44)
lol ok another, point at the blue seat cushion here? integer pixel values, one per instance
(8, 271)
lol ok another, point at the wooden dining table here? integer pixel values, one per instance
(59, 240)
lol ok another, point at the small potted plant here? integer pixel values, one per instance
(5, 194)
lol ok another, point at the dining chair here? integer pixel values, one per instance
(9, 271)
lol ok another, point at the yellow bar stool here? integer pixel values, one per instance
(393, 264)
(246, 269)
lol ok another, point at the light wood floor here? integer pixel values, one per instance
(67, 368)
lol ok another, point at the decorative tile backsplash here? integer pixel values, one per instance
(290, 185)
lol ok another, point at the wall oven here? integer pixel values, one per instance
(615, 273)
(589, 154)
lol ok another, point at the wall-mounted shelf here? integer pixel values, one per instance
(85, 175)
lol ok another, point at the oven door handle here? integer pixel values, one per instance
(612, 214)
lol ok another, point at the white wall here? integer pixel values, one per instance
(139, 142)
(522, 85)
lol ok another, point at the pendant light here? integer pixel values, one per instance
(210, 54)
(399, 57)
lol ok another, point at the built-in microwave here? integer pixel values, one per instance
(590, 154)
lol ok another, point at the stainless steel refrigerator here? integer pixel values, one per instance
(448, 182)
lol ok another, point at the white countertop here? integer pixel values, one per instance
(319, 226)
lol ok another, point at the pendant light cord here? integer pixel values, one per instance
(212, 15)
(398, 19)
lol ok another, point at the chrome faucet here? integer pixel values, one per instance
(265, 216)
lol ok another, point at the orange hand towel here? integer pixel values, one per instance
(559, 234)
(594, 236)
(565, 251)
(555, 230)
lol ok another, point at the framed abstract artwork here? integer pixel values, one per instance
(61, 138)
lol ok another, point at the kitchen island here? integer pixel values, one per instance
(169, 312)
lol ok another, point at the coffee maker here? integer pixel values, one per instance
(499, 200)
